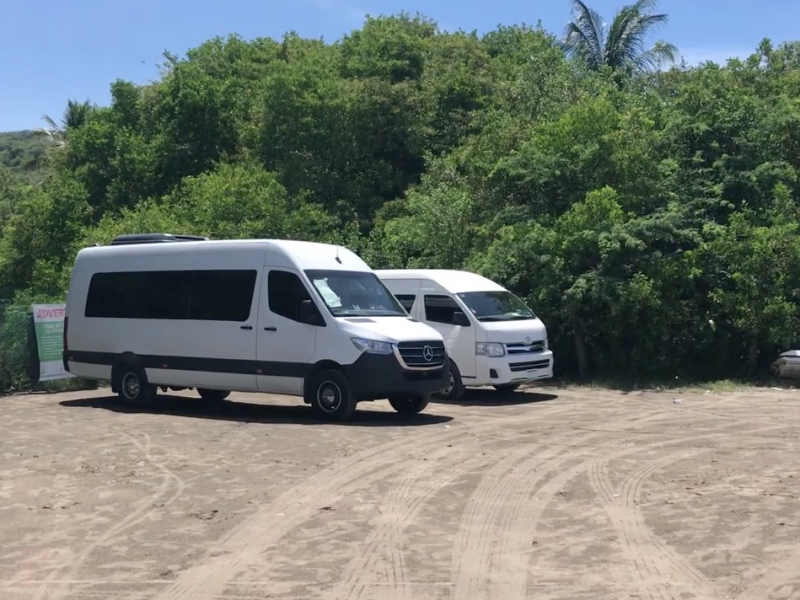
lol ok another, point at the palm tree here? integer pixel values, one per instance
(75, 116)
(620, 46)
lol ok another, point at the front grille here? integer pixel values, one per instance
(529, 366)
(522, 348)
(413, 354)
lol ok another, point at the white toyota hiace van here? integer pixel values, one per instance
(287, 317)
(491, 336)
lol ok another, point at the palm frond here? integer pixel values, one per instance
(584, 36)
(53, 126)
(622, 45)
(618, 48)
(578, 45)
(656, 57)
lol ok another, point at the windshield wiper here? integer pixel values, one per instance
(368, 313)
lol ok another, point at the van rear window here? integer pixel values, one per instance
(205, 295)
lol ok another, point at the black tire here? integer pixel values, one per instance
(455, 390)
(507, 388)
(133, 386)
(330, 396)
(213, 395)
(409, 406)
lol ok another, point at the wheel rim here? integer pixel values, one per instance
(131, 386)
(329, 397)
(450, 385)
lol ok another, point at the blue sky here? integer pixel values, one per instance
(53, 50)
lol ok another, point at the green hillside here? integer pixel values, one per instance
(23, 152)
(651, 217)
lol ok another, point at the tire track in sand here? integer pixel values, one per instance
(69, 569)
(780, 575)
(383, 543)
(500, 571)
(485, 570)
(657, 566)
(242, 545)
(544, 496)
(381, 559)
(492, 547)
(653, 565)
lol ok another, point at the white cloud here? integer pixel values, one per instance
(695, 56)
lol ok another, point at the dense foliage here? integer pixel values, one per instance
(652, 222)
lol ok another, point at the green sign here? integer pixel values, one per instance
(48, 320)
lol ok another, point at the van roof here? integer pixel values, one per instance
(453, 281)
(309, 254)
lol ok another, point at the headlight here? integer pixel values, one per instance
(546, 345)
(372, 346)
(489, 349)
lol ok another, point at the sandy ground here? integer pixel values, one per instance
(568, 494)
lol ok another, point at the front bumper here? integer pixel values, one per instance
(513, 368)
(378, 376)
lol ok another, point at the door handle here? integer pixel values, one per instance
(246, 327)
(270, 328)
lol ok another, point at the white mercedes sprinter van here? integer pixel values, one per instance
(287, 317)
(492, 337)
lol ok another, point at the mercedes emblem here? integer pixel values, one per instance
(427, 353)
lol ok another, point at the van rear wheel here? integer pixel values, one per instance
(409, 406)
(213, 395)
(133, 387)
(330, 396)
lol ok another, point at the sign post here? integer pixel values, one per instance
(48, 321)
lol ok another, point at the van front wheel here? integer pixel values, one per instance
(133, 387)
(455, 386)
(330, 396)
(409, 406)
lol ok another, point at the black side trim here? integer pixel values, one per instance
(190, 363)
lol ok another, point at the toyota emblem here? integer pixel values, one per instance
(427, 353)
(528, 340)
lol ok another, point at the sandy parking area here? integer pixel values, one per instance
(562, 494)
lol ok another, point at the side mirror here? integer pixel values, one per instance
(308, 313)
(460, 319)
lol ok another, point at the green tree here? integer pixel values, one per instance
(649, 216)
(620, 46)
(75, 115)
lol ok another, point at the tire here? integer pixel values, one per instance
(213, 395)
(507, 388)
(133, 387)
(330, 396)
(409, 406)
(456, 389)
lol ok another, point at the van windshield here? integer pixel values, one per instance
(496, 306)
(355, 294)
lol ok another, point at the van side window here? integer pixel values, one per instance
(407, 300)
(285, 293)
(172, 295)
(222, 295)
(139, 295)
(440, 309)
